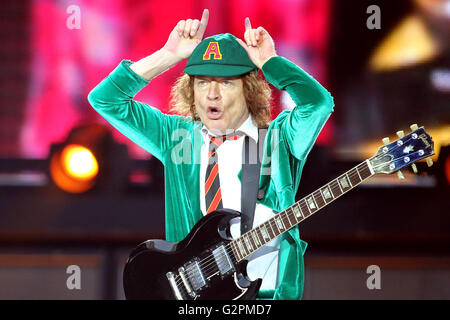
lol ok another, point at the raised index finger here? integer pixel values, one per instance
(203, 24)
(248, 25)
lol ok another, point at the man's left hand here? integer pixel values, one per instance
(258, 44)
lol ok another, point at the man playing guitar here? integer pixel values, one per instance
(219, 100)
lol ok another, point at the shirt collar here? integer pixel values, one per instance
(248, 128)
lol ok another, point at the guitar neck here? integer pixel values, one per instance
(254, 239)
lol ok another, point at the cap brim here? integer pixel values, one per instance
(217, 70)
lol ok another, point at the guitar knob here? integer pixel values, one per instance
(414, 127)
(400, 134)
(429, 162)
(413, 166)
(400, 175)
(385, 140)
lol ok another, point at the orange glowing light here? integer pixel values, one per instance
(79, 162)
(74, 169)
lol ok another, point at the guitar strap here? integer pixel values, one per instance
(251, 168)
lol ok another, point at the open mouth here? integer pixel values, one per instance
(214, 113)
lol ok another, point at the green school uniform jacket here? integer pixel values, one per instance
(176, 142)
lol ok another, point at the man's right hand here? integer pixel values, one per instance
(186, 36)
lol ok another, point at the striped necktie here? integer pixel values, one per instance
(213, 195)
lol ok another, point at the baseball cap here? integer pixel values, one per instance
(219, 56)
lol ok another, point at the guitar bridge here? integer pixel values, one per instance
(188, 280)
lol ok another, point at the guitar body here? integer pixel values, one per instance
(153, 268)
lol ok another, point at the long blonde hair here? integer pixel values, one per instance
(257, 92)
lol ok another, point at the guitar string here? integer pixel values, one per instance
(288, 211)
(209, 260)
(208, 263)
(272, 222)
(350, 174)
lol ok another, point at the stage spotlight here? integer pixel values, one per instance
(74, 168)
(63, 179)
(79, 162)
(89, 159)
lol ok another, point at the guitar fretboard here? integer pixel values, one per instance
(254, 239)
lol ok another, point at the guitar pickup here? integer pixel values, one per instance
(223, 260)
(194, 274)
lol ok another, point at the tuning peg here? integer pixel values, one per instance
(429, 162)
(413, 166)
(385, 140)
(414, 127)
(400, 175)
(400, 134)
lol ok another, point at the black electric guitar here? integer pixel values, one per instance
(209, 264)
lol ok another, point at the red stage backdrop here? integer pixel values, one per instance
(68, 62)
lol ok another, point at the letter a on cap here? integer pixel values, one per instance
(213, 48)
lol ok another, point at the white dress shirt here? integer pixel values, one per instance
(264, 262)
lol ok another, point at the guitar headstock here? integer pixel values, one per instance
(408, 149)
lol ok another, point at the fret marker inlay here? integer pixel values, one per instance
(297, 212)
(311, 203)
